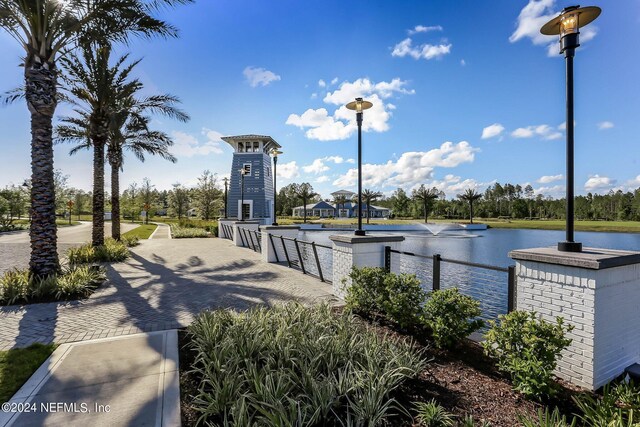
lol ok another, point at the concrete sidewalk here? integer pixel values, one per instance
(121, 381)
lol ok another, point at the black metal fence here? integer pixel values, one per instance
(310, 258)
(493, 286)
(225, 231)
(251, 239)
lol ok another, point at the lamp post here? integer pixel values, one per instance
(567, 26)
(70, 205)
(275, 153)
(226, 183)
(359, 105)
(243, 172)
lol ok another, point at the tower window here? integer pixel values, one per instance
(240, 147)
(256, 147)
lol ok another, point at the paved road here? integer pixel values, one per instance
(15, 249)
(163, 286)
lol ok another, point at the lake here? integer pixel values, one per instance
(486, 247)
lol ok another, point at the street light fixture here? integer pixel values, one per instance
(567, 26)
(243, 172)
(226, 183)
(275, 153)
(359, 105)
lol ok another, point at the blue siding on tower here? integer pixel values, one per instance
(258, 186)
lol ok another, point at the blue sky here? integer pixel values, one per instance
(465, 93)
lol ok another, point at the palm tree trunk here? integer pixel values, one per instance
(426, 213)
(115, 201)
(40, 85)
(304, 202)
(471, 212)
(98, 139)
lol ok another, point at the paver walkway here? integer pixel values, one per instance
(162, 232)
(124, 381)
(163, 286)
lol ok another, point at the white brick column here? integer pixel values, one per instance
(251, 225)
(357, 251)
(274, 252)
(223, 233)
(597, 291)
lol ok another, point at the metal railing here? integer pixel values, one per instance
(225, 231)
(307, 257)
(484, 282)
(251, 239)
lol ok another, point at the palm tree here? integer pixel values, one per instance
(305, 192)
(369, 196)
(470, 196)
(47, 29)
(340, 200)
(426, 195)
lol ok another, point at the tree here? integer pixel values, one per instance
(470, 196)
(179, 200)
(400, 202)
(130, 200)
(305, 192)
(47, 29)
(148, 197)
(340, 200)
(426, 196)
(207, 195)
(369, 196)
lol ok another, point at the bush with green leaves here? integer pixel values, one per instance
(546, 418)
(178, 232)
(399, 297)
(451, 316)
(619, 406)
(431, 414)
(111, 251)
(74, 282)
(527, 349)
(130, 241)
(293, 365)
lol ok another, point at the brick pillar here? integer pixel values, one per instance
(357, 251)
(250, 225)
(598, 292)
(274, 252)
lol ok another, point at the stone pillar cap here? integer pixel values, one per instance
(353, 239)
(590, 258)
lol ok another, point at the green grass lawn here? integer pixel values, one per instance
(144, 231)
(59, 222)
(17, 365)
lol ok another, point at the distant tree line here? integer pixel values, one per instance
(498, 200)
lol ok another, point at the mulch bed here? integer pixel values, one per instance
(463, 380)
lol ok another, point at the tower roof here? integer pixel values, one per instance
(251, 137)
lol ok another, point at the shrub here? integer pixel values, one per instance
(130, 241)
(527, 349)
(74, 282)
(13, 286)
(451, 316)
(398, 297)
(292, 365)
(619, 406)
(178, 232)
(111, 251)
(547, 419)
(431, 414)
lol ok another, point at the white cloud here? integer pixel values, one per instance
(424, 51)
(550, 178)
(325, 127)
(411, 168)
(321, 179)
(317, 167)
(605, 125)
(334, 81)
(322, 83)
(545, 131)
(555, 191)
(352, 161)
(598, 183)
(463, 62)
(335, 159)
(492, 131)
(424, 29)
(533, 16)
(186, 145)
(288, 170)
(259, 76)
